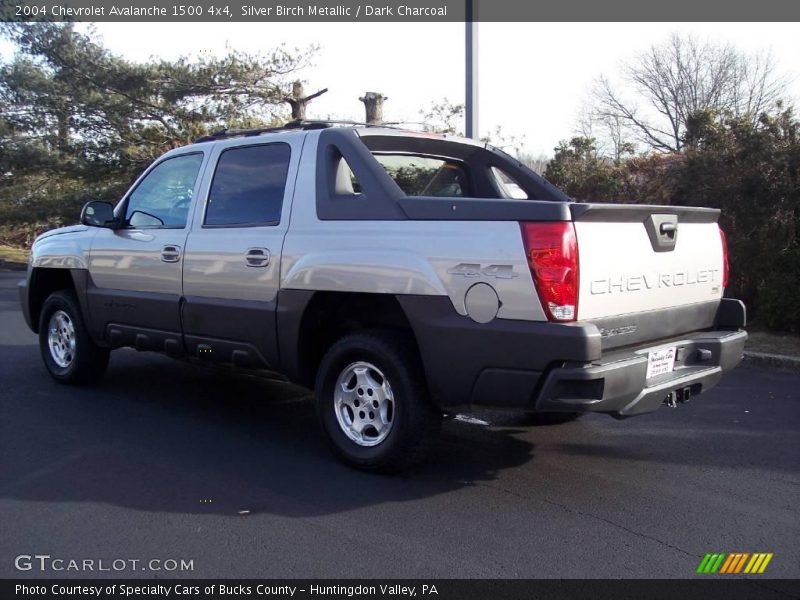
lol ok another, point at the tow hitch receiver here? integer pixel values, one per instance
(682, 395)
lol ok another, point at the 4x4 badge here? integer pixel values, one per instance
(475, 270)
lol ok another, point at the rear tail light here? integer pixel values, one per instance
(724, 258)
(552, 251)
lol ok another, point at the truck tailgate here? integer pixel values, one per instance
(648, 272)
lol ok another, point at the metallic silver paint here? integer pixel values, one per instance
(63, 248)
(408, 257)
(621, 274)
(131, 259)
(215, 264)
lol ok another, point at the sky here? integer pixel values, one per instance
(533, 77)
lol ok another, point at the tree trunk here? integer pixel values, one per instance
(63, 131)
(298, 101)
(373, 103)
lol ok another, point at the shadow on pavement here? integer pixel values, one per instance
(160, 435)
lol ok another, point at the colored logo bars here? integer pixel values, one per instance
(737, 562)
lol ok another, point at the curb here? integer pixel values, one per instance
(779, 362)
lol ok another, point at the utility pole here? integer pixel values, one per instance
(471, 75)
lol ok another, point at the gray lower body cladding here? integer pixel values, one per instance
(24, 302)
(33, 290)
(458, 353)
(540, 366)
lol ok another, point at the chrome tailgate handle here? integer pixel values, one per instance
(668, 229)
(171, 253)
(257, 257)
(662, 229)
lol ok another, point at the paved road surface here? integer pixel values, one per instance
(159, 461)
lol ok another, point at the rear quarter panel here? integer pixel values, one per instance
(411, 257)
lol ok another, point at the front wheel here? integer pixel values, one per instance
(372, 401)
(68, 351)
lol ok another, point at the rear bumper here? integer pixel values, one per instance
(551, 367)
(617, 384)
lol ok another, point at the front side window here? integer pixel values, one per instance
(164, 196)
(425, 175)
(248, 186)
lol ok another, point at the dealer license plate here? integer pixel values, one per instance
(660, 362)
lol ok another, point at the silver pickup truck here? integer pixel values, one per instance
(403, 276)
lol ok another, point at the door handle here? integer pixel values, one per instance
(171, 254)
(257, 257)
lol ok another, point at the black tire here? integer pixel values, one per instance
(550, 418)
(89, 361)
(415, 421)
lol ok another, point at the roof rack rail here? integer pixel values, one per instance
(303, 124)
(387, 125)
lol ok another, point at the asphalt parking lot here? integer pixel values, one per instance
(165, 460)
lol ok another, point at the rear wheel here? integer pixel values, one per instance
(372, 401)
(68, 351)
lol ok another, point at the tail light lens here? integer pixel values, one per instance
(724, 258)
(552, 251)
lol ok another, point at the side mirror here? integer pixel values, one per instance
(99, 214)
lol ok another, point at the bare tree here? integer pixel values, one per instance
(537, 162)
(444, 117)
(507, 142)
(670, 82)
(611, 132)
(448, 117)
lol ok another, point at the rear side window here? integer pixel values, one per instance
(507, 185)
(345, 181)
(425, 175)
(248, 186)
